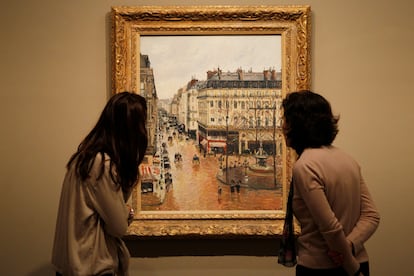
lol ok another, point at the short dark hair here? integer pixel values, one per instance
(309, 122)
(121, 134)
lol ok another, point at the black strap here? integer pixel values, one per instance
(287, 252)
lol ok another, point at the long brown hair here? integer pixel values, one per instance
(121, 134)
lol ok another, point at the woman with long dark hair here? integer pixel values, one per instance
(330, 198)
(93, 214)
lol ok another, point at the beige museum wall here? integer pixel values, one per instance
(54, 82)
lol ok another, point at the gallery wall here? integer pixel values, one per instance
(55, 70)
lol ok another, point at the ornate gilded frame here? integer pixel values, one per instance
(291, 22)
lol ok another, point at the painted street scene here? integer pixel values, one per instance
(215, 143)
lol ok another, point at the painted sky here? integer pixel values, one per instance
(177, 59)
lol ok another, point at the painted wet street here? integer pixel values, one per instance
(201, 186)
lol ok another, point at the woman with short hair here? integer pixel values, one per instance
(330, 200)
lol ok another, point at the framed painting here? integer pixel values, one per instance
(214, 78)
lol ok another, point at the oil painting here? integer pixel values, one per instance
(221, 127)
(214, 78)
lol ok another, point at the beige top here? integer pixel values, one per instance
(91, 220)
(332, 204)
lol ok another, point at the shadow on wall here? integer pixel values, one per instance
(153, 247)
(46, 269)
(158, 247)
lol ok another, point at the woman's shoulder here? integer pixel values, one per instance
(101, 157)
(312, 155)
(323, 151)
(315, 153)
(101, 160)
(325, 155)
(102, 172)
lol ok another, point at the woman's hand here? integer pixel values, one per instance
(131, 214)
(336, 257)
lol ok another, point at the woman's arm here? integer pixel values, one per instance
(108, 201)
(309, 186)
(368, 221)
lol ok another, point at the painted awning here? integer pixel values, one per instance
(218, 144)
